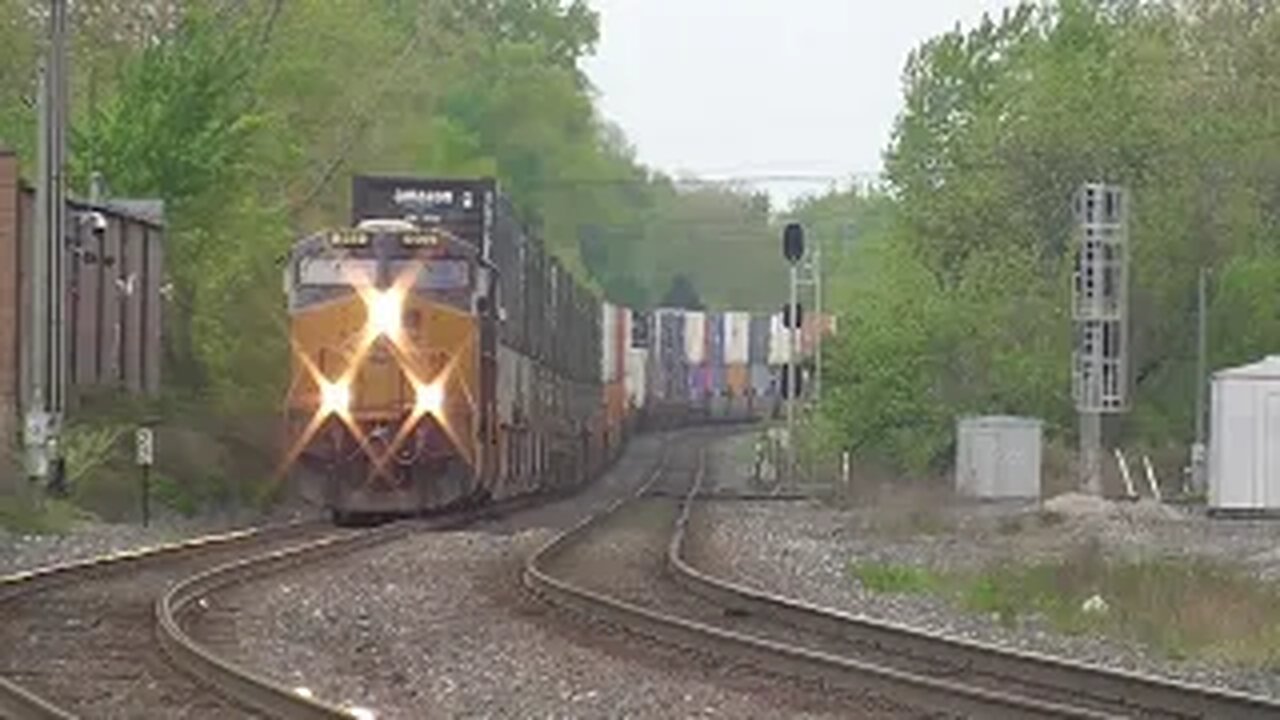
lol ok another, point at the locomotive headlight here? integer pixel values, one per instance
(335, 398)
(430, 399)
(385, 312)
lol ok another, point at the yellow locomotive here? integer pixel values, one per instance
(440, 356)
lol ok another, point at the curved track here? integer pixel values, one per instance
(1111, 692)
(690, 608)
(81, 639)
(108, 637)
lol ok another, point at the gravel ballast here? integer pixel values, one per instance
(21, 552)
(438, 625)
(804, 549)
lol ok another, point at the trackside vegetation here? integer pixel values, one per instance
(952, 276)
(249, 118)
(1190, 608)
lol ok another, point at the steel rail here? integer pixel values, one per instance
(256, 691)
(889, 681)
(231, 679)
(1134, 693)
(19, 703)
(228, 679)
(25, 582)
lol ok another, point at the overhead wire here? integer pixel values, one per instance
(356, 122)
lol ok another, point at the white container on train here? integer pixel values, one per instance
(609, 343)
(625, 321)
(779, 341)
(695, 337)
(737, 338)
(637, 362)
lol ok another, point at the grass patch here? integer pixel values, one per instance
(48, 517)
(894, 578)
(1178, 607)
(1011, 525)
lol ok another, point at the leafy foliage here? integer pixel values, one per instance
(954, 298)
(248, 118)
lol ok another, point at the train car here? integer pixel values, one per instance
(737, 345)
(636, 375)
(614, 343)
(441, 356)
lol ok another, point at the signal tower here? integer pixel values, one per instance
(1100, 310)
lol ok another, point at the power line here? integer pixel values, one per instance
(356, 122)
(727, 181)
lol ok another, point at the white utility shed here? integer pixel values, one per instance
(1244, 440)
(998, 457)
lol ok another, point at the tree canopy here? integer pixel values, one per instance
(955, 297)
(248, 119)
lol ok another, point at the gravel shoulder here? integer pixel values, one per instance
(91, 539)
(804, 550)
(439, 625)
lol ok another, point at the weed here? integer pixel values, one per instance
(43, 517)
(89, 448)
(168, 492)
(1183, 608)
(1009, 525)
(1049, 518)
(891, 578)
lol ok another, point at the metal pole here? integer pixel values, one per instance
(146, 495)
(1198, 474)
(58, 250)
(793, 375)
(45, 339)
(35, 425)
(817, 317)
(1091, 452)
(57, 214)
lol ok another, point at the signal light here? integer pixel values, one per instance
(788, 371)
(385, 310)
(793, 242)
(429, 399)
(790, 319)
(335, 398)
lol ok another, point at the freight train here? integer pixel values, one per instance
(443, 357)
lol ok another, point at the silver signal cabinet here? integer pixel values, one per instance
(998, 457)
(1100, 300)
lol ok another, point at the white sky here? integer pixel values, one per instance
(763, 87)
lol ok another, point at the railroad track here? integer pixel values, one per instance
(112, 637)
(680, 604)
(99, 638)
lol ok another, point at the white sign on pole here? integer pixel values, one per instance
(144, 446)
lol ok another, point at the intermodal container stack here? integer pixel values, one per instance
(737, 356)
(758, 356)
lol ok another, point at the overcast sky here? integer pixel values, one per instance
(763, 87)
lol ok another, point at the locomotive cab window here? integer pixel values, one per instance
(435, 274)
(330, 265)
